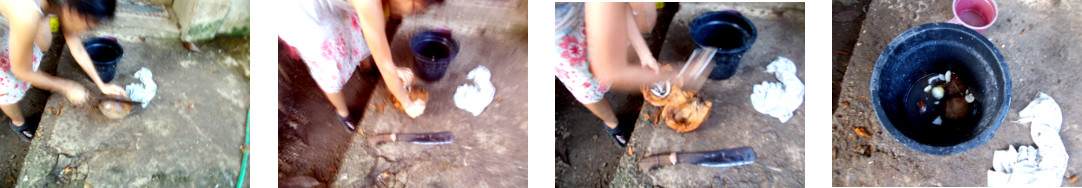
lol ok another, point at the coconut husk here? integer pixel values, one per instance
(414, 94)
(687, 116)
(676, 96)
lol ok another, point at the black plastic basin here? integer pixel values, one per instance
(105, 53)
(730, 32)
(432, 53)
(936, 48)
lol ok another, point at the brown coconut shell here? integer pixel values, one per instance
(687, 116)
(414, 94)
(676, 96)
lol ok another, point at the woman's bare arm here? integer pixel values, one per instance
(639, 44)
(373, 24)
(23, 31)
(607, 36)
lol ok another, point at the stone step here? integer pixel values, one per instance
(140, 20)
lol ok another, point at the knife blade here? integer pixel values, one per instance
(121, 99)
(415, 138)
(721, 158)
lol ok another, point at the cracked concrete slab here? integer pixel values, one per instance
(732, 121)
(489, 150)
(191, 134)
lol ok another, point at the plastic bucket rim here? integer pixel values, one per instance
(435, 37)
(108, 42)
(753, 31)
(979, 139)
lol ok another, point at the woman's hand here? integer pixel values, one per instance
(406, 75)
(648, 62)
(415, 108)
(75, 93)
(112, 90)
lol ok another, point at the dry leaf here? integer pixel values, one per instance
(191, 46)
(1023, 32)
(191, 106)
(864, 96)
(498, 100)
(628, 151)
(846, 103)
(861, 131)
(1073, 179)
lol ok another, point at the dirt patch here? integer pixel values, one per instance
(311, 140)
(591, 155)
(846, 22)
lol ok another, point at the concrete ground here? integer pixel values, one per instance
(489, 150)
(1038, 40)
(191, 134)
(732, 122)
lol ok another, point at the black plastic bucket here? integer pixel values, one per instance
(432, 52)
(105, 53)
(936, 48)
(730, 32)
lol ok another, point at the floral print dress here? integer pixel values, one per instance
(573, 67)
(332, 48)
(13, 89)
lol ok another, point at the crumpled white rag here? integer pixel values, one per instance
(779, 99)
(474, 98)
(145, 91)
(1030, 166)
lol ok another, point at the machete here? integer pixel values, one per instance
(722, 158)
(416, 138)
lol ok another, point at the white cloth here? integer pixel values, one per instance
(142, 92)
(779, 99)
(1029, 166)
(474, 98)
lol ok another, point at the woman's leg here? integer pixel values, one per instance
(602, 109)
(13, 112)
(339, 102)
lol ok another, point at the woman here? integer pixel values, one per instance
(589, 72)
(327, 35)
(28, 31)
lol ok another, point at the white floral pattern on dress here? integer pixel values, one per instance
(573, 67)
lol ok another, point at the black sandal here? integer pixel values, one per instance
(619, 134)
(346, 122)
(27, 130)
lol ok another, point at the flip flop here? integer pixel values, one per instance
(346, 122)
(619, 134)
(27, 130)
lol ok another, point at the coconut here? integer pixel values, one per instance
(686, 116)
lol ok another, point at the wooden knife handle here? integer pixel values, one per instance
(657, 161)
(376, 140)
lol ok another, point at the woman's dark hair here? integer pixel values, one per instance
(93, 10)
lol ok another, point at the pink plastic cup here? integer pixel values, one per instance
(975, 14)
